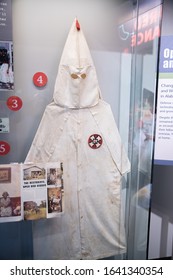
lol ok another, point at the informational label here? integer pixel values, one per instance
(4, 125)
(14, 103)
(40, 79)
(5, 20)
(164, 122)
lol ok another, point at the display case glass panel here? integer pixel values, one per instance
(123, 39)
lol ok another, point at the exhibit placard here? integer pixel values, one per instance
(164, 122)
(4, 125)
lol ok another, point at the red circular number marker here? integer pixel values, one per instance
(4, 148)
(14, 103)
(40, 79)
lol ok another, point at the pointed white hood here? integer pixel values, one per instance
(76, 84)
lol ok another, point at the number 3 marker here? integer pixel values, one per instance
(14, 103)
(40, 79)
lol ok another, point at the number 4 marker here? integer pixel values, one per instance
(40, 79)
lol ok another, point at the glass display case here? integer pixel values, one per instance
(137, 101)
(123, 39)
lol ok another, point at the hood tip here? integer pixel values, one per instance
(77, 25)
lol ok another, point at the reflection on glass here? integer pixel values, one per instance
(139, 38)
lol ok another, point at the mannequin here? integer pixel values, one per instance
(78, 129)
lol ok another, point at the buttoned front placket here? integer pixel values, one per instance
(79, 164)
(81, 138)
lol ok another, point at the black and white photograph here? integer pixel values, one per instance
(6, 66)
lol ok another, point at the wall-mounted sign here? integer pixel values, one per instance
(164, 122)
(40, 79)
(14, 103)
(4, 125)
(5, 20)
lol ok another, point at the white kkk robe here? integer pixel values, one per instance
(78, 128)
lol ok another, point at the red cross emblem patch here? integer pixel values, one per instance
(95, 141)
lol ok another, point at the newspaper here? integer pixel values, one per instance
(31, 191)
(10, 193)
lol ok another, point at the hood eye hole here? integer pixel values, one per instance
(83, 76)
(74, 76)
